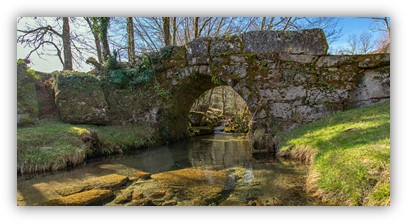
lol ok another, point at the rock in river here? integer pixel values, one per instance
(90, 197)
(191, 183)
(143, 175)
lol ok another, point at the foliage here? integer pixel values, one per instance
(349, 154)
(166, 52)
(141, 74)
(240, 122)
(159, 90)
(216, 79)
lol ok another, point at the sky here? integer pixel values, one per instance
(350, 25)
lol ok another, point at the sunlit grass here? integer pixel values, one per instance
(349, 155)
(53, 145)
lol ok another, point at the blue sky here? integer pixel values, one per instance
(349, 26)
(354, 25)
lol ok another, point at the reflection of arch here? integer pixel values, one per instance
(221, 151)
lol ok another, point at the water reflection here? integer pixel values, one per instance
(219, 151)
(248, 181)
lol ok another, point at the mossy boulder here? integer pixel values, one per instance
(80, 99)
(27, 102)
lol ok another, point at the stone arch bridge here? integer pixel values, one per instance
(286, 78)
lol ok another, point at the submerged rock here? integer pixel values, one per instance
(189, 184)
(91, 197)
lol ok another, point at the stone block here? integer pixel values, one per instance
(311, 42)
(225, 45)
(198, 51)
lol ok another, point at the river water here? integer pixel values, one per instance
(207, 170)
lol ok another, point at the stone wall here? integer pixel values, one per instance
(286, 79)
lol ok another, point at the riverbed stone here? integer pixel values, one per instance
(190, 183)
(143, 175)
(91, 197)
(110, 181)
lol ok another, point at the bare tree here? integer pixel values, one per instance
(366, 43)
(48, 32)
(353, 44)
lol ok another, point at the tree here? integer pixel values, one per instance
(130, 40)
(103, 27)
(66, 39)
(196, 27)
(353, 44)
(366, 43)
(174, 31)
(94, 27)
(167, 33)
(45, 37)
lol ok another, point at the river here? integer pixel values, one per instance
(208, 170)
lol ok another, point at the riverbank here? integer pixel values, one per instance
(348, 154)
(53, 145)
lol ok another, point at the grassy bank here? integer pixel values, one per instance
(348, 153)
(53, 145)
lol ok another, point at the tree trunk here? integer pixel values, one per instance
(130, 40)
(166, 28)
(174, 31)
(196, 28)
(93, 28)
(104, 25)
(208, 103)
(263, 23)
(223, 101)
(66, 41)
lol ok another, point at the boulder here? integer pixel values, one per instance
(80, 99)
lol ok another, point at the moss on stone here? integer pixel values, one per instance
(91, 197)
(27, 102)
(196, 184)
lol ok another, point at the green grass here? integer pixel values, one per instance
(53, 145)
(348, 153)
